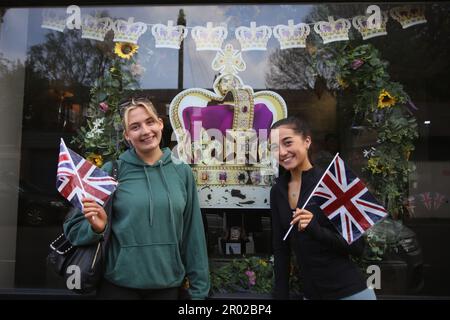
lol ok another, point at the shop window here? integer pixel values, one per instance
(46, 77)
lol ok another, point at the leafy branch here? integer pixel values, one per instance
(384, 108)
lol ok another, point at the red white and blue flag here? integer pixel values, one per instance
(427, 200)
(439, 199)
(346, 201)
(77, 178)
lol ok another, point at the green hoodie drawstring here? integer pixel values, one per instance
(163, 176)
(150, 196)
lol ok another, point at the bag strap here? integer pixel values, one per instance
(108, 206)
(115, 169)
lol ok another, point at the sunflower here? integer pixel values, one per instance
(342, 83)
(95, 159)
(385, 99)
(262, 262)
(125, 50)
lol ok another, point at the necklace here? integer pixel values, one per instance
(294, 188)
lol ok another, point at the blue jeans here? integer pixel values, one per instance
(367, 294)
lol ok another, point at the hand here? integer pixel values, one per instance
(95, 214)
(302, 217)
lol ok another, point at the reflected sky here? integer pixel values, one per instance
(161, 64)
(13, 34)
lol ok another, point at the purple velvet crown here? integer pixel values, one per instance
(221, 117)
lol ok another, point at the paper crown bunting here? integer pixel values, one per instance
(253, 38)
(128, 31)
(209, 37)
(95, 27)
(332, 30)
(291, 36)
(408, 16)
(232, 110)
(53, 20)
(169, 36)
(360, 24)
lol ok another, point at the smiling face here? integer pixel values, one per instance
(143, 129)
(293, 149)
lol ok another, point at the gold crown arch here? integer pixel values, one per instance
(235, 169)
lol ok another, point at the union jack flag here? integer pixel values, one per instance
(346, 201)
(427, 200)
(439, 199)
(77, 178)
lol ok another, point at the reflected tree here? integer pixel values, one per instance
(315, 66)
(67, 60)
(60, 71)
(2, 14)
(11, 74)
(425, 47)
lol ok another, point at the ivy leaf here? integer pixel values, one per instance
(101, 96)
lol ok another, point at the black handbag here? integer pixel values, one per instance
(82, 267)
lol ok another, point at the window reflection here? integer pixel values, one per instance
(45, 81)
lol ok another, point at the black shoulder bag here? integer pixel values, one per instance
(82, 267)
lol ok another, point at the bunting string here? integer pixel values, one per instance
(253, 37)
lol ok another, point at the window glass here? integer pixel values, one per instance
(46, 77)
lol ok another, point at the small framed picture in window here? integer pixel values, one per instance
(233, 248)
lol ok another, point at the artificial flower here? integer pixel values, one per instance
(385, 99)
(97, 130)
(342, 83)
(357, 63)
(125, 50)
(103, 106)
(95, 159)
(251, 277)
(374, 166)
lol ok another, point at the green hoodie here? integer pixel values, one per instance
(157, 230)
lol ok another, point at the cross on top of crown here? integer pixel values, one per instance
(228, 61)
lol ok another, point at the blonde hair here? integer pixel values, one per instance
(147, 105)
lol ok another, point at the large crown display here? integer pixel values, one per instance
(291, 36)
(209, 37)
(95, 27)
(367, 32)
(224, 134)
(128, 31)
(253, 38)
(53, 20)
(169, 36)
(408, 16)
(332, 30)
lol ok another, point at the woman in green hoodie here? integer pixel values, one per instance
(157, 236)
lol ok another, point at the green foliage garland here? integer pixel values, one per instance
(101, 139)
(382, 106)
